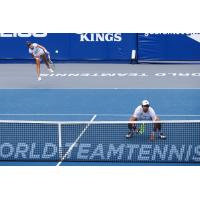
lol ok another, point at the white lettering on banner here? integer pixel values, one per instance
(136, 74)
(109, 74)
(116, 151)
(152, 34)
(32, 153)
(6, 150)
(188, 153)
(83, 151)
(196, 74)
(21, 151)
(98, 153)
(86, 74)
(185, 74)
(159, 152)
(23, 35)
(109, 37)
(72, 74)
(84, 38)
(173, 74)
(131, 148)
(144, 153)
(6, 34)
(193, 36)
(177, 153)
(136, 152)
(100, 37)
(50, 150)
(103, 152)
(197, 152)
(160, 75)
(26, 151)
(120, 74)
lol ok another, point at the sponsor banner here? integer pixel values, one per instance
(13, 45)
(29, 151)
(166, 47)
(102, 46)
(71, 46)
(134, 152)
(29, 141)
(104, 142)
(110, 152)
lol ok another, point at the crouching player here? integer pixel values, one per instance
(144, 112)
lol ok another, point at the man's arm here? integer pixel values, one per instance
(133, 118)
(155, 118)
(131, 124)
(153, 115)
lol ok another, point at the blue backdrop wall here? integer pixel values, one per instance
(102, 47)
(71, 46)
(168, 47)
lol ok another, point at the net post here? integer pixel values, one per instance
(60, 140)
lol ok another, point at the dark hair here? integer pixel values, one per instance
(28, 43)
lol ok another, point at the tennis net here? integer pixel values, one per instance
(99, 141)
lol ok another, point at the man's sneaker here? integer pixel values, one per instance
(162, 136)
(51, 70)
(39, 78)
(129, 135)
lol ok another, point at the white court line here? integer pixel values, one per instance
(77, 139)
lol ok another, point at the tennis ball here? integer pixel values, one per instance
(56, 51)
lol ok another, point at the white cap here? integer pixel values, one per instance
(145, 103)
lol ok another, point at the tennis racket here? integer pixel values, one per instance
(50, 61)
(142, 128)
(52, 64)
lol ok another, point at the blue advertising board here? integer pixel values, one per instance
(164, 47)
(71, 46)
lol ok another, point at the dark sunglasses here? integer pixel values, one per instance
(146, 106)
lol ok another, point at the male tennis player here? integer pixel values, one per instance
(37, 51)
(144, 112)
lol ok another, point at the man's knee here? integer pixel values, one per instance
(131, 124)
(157, 126)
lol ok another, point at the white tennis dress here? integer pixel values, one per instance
(142, 116)
(36, 51)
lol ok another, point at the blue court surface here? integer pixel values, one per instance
(106, 105)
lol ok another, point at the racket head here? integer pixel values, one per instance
(142, 128)
(53, 66)
(51, 63)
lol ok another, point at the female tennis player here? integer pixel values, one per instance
(39, 52)
(144, 113)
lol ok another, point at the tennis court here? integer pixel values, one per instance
(172, 97)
